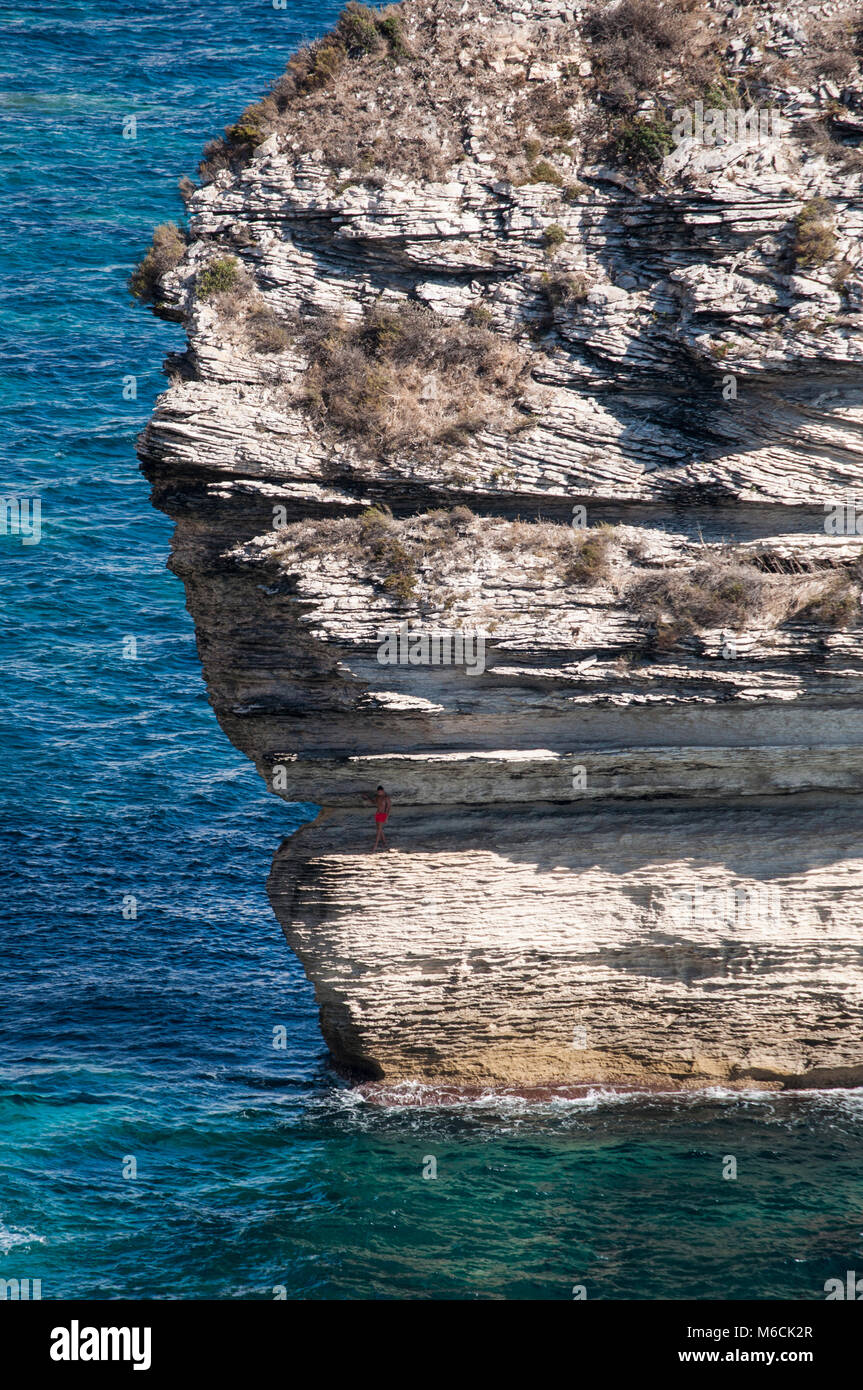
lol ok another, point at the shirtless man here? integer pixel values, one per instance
(383, 805)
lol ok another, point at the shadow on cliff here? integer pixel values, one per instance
(767, 839)
(709, 412)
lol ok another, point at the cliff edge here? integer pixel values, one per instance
(513, 460)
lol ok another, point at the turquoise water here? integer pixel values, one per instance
(149, 1038)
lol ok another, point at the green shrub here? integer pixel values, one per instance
(219, 277)
(642, 144)
(390, 27)
(357, 28)
(543, 172)
(324, 60)
(553, 236)
(165, 252)
(248, 132)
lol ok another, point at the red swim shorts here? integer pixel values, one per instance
(380, 817)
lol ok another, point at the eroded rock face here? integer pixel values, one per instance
(626, 831)
(537, 945)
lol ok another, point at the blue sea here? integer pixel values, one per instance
(154, 1142)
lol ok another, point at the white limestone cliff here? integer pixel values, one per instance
(628, 849)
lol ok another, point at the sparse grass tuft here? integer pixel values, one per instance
(720, 592)
(590, 561)
(837, 606)
(814, 238)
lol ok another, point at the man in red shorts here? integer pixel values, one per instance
(383, 805)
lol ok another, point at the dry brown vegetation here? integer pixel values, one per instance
(728, 591)
(389, 91)
(405, 379)
(590, 559)
(635, 43)
(558, 554)
(836, 606)
(443, 552)
(643, 50)
(818, 135)
(833, 49)
(165, 252)
(814, 237)
(674, 53)
(251, 322)
(382, 547)
(443, 548)
(564, 290)
(720, 592)
(328, 99)
(267, 331)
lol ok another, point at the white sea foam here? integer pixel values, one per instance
(11, 1237)
(409, 1095)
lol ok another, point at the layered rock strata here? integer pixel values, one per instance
(626, 837)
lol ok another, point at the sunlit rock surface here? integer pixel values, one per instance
(621, 851)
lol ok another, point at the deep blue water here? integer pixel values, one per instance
(150, 1038)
